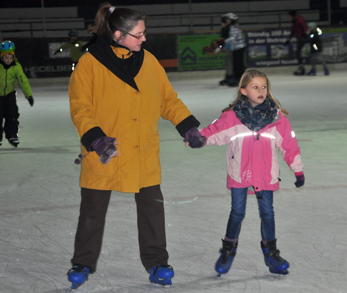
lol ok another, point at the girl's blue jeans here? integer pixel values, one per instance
(238, 212)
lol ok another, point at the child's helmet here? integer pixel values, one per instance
(230, 15)
(73, 33)
(7, 47)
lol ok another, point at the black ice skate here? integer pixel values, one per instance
(14, 141)
(272, 258)
(300, 70)
(226, 258)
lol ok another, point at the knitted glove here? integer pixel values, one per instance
(105, 148)
(300, 179)
(194, 137)
(31, 101)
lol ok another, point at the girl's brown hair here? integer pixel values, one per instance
(109, 19)
(245, 80)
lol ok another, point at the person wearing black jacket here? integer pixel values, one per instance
(316, 49)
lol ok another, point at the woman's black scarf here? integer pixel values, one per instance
(258, 117)
(125, 69)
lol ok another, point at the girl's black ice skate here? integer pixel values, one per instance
(276, 264)
(226, 258)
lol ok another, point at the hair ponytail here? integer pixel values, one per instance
(100, 26)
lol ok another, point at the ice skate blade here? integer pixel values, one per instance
(74, 286)
(273, 271)
(162, 285)
(162, 282)
(219, 275)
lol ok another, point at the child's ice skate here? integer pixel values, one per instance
(14, 141)
(300, 70)
(226, 258)
(276, 264)
(312, 72)
(161, 274)
(77, 275)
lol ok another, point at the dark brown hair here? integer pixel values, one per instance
(109, 19)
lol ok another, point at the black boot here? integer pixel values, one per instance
(225, 80)
(300, 70)
(233, 82)
(14, 140)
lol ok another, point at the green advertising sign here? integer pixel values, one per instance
(200, 52)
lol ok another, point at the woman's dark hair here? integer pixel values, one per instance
(109, 19)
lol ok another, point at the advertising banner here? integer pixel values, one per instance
(266, 48)
(263, 48)
(200, 52)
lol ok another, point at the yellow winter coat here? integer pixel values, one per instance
(98, 98)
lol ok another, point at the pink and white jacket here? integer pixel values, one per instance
(252, 156)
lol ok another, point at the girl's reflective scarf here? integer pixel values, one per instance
(258, 117)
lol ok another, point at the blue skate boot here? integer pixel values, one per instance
(326, 71)
(226, 258)
(161, 274)
(77, 275)
(276, 264)
(312, 72)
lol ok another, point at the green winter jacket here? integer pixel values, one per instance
(75, 49)
(8, 76)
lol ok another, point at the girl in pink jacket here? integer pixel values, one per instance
(254, 128)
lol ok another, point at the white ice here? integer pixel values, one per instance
(39, 197)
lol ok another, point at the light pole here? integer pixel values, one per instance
(43, 18)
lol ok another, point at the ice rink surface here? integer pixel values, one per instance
(39, 195)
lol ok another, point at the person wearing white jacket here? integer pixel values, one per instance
(234, 45)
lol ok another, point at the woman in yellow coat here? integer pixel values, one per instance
(118, 92)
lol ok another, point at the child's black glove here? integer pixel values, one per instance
(300, 179)
(31, 101)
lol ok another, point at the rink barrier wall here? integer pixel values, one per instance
(183, 52)
(193, 75)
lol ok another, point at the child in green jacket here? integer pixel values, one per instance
(10, 71)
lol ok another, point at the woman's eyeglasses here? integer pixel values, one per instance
(139, 36)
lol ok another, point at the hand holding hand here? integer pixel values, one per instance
(194, 139)
(300, 179)
(286, 42)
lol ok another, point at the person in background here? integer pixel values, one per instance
(299, 29)
(214, 49)
(90, 42)
(10, 71)
(234, 45)
(254, 128)
(75, 45)
(118, 93)
(314, 33)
